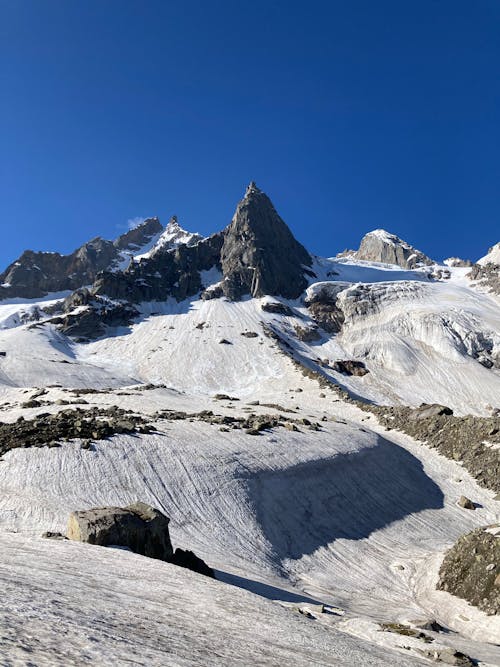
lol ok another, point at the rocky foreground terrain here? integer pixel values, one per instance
(319, 436)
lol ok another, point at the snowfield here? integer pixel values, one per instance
(350, 515)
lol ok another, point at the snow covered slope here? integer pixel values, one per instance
(346, 515)
(94, 606)
(421, 339)
(493, 256)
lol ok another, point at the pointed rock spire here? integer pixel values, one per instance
(259, 254)
(252, 189)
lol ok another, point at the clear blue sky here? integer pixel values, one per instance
(351, 115)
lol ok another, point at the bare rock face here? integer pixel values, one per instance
(486, 276)
(174, 273)
(140, 527)
(140, 235)
(350, 367)
(380, 246)
(36, 274)
(260, 255)
(471, 569)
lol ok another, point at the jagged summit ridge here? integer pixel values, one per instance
(170, 238)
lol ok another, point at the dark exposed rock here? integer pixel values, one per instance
(323, 308)
(50, 535)
(212, 293)
(471, 569)
(406, 630)
(225, 397)
(48, 429)
(140, 235)
(449, 656)
(350, 367)
(260, 255)
(174, 273)
(250, 334)
(307, 334)
(191, 561)
(487, 276)
(35, 274)
(94, 318)
(277, 308)
(140, 527)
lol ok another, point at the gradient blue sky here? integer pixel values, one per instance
(351, 115)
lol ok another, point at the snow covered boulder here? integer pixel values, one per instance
(139, 526)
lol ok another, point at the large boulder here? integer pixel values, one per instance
(140, 527)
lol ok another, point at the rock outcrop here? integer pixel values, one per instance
(381, 246)
(486, 276)
(260, 255)
(53, 429)
(471, 569)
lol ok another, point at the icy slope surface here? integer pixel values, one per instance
(422, 341)
(73, 604)
(344, 515)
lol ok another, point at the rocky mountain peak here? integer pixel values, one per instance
(382, 246)
(259, 254)
(172, 237)
(173, 223)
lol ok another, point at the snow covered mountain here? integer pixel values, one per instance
(492, 257)
(381, 246)
(286, 446)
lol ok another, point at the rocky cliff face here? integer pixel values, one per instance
(380, 246)
(260, 255)
(174, 273)
(36, 274)
(137, 237)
